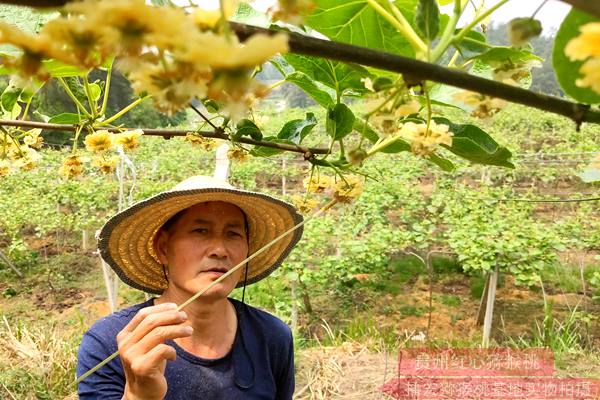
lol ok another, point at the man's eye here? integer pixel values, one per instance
(234, 233)
(201, 230)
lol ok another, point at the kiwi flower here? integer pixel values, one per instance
(106, 166)
(99, 141)
(586, 46)
(422, 141)
(207, 144)
(348, 188)
(129, 139)
(71, 166)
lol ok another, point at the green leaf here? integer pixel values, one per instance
(339, 76)
(472, 45)
(567, 71)
(427, 19)
(245, 127)
(246, 14)
(65, 118)
(356, 22)
(445, 2)
(262, 151)
(297, 129)
(340, 121)
(10, 96)
(60, 70)
(472, 143)
(397, 146)
(310, 87)
(590, 175)
(507, 55)
(366, 130)
(95, 91)
(445, 164)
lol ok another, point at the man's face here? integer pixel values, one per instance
(206, 241)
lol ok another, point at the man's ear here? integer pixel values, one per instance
(160, 246)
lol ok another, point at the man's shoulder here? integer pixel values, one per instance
(268, 323)
(112, 324)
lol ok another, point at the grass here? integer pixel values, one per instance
(38, 362)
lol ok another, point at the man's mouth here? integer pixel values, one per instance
(220, 270)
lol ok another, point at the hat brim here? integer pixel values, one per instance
(126, 241)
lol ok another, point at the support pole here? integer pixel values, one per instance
(7, 261)
(489, 309)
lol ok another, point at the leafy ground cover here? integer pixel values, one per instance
(354, 298)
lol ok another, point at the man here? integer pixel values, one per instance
(175, 244)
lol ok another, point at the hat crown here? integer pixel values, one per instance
(201, 182)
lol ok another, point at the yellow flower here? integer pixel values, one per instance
(99, 141)
(292, 11)
(317, 183)
(135, 24)
(33, 138)
(71, 166)
(591, 74)
(207, 20)
(237, 154)
(423, 142)
(90, 44)
(348, 188)
(207, 144)
(28, 159)
(587, 44)
(129, 139)
(222, 53)
(410, 107)
(5, 167)
(172, 88)
(35, 49)
(106, 166)
(483, 106)
(304, 204)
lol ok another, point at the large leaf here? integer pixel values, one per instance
(445, 164)
(472, 45)
(366, 130)
(473, 144)
(310, 87)
(65, 118)
(505, 55)
(296, 130)
(336, 75)
(340, 121)
(10, 96)
(567, 71)
(245, 127)
(357, 23)
(60, 70)
(427, 19)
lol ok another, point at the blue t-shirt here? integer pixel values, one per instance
(260, 364)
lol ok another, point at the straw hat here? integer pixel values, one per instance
(126, 240)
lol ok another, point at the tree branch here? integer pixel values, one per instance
(591, 7)
(169, 133)
(421, 71)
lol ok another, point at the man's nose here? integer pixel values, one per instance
(217, 247)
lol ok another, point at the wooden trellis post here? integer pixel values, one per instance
(489, 309)
(222, 162)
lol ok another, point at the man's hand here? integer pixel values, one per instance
(144, 353)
